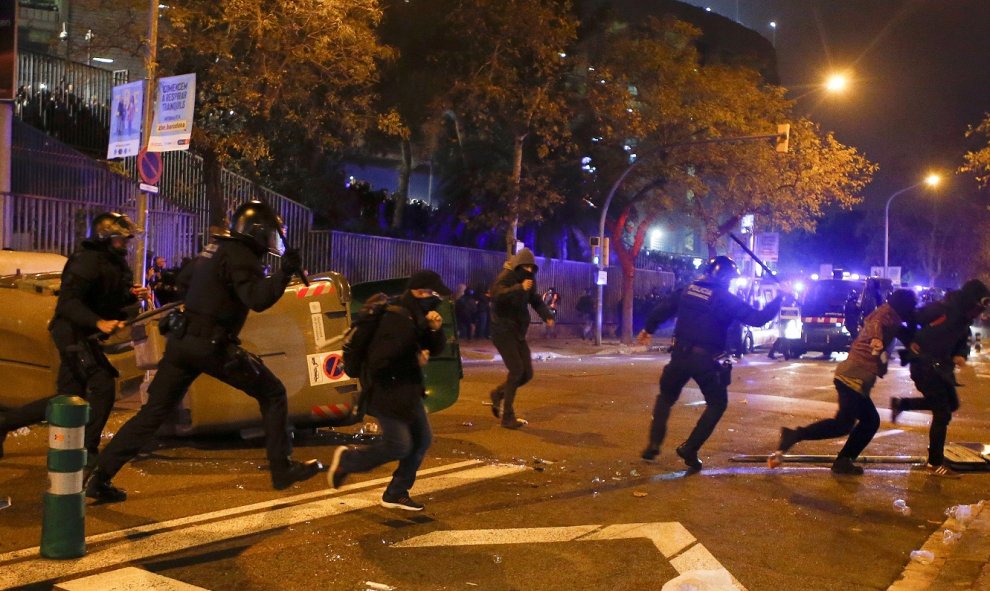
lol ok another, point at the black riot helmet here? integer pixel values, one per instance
(721, 270)
(258, 225)
(110, 225)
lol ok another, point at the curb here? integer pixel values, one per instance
(964, 564)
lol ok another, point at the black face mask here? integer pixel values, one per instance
(428, 304)
(523, 274)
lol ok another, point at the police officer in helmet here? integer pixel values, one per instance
(704, 311)
(97, 285)
(220, 287)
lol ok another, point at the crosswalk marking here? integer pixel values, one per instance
(167, 540)
(126, 579)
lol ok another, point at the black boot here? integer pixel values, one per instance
(844, 465)
(294, 472)
(788, 437)
(690, 457)
(98, 487)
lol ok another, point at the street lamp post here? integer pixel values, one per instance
(780, 137)
(931, 180)
(773, 33)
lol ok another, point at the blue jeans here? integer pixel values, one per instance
(402, 440)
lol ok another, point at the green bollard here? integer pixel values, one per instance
(63, 528)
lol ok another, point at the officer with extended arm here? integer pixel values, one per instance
(704, 311)
(221, 286)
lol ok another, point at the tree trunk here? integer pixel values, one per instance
(517, 156)
(627, 260)
(402, 193)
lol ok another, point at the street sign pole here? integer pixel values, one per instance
(141, 197)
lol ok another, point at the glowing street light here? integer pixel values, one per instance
(773, 33)
(932, 180)
(837, 83)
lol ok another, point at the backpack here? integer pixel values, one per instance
(358, 338)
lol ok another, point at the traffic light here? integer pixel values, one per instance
(783, 137)
(596, 249)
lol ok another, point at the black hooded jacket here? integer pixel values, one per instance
(511, 303)
(944, 326)
(393, 359)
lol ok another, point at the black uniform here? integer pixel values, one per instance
(224, 282)
(96, 285)
(510, 322)
(704, 311)
(943, 334)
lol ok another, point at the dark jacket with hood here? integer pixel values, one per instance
(510, 302)
(393, 358)
(944, 326)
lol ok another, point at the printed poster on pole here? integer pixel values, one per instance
(172, 125)
(127, 113)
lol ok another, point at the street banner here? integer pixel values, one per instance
(172, 126)
(768, 246)
(8, 50)
(127, 113)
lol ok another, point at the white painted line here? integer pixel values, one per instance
(672, 539)
(127, 579)
(232, 512)
(164, 542)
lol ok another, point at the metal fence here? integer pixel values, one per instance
(363, 258)
(49, 224)
(67, 100)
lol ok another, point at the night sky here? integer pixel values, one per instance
(921, 71)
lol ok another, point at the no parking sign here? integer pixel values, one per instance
(326, 368)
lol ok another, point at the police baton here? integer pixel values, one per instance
(754, 257)
(139, 318)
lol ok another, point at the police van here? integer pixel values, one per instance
(823, 313)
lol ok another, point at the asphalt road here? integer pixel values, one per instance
(564, 503)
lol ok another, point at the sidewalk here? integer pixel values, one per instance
(960, 565)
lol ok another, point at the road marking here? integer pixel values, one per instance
(672, 539)
(158, 540)
(126, 579)
(143, 530)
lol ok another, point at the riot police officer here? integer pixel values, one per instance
(224, 282)
(704, 311)
(97, 285)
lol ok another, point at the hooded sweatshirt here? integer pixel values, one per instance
(510, 302)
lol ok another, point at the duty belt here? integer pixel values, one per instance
(200, 325)
(696, 349)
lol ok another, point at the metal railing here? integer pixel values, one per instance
(50, 224)
(67, 100)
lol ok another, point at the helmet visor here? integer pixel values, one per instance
(276, 241)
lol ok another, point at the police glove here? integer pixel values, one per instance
(292, 262)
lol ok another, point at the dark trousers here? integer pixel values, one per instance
(857, 417)
(403, 440)
(713, 381)
(95, 381)
(941, 398)
(518, 360)
(184, 360)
